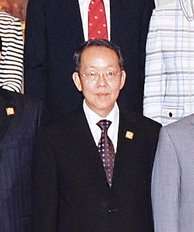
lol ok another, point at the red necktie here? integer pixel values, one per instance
(106, 150)
(97, 25)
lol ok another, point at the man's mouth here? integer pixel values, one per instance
(102, 94)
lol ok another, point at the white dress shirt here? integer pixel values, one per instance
(94, 118)
(83, 5)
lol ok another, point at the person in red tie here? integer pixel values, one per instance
(92, 168)
(55, 28)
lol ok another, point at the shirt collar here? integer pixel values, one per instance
(94, 117)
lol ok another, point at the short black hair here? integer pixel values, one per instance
(97, 43)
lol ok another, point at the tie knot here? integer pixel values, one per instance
(104, 124)
(95, 1)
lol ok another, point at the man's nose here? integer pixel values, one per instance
(102, 78)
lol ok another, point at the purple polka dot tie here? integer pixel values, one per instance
(106, 150)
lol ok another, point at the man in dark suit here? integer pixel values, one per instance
(56, 28)
(74, 188)
(19, 121)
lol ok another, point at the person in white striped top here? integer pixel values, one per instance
(169, 67)
(11, 59)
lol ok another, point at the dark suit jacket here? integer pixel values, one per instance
(69, 183)
(54, 31)
(17, 132)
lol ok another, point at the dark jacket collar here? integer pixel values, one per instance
(7, 111)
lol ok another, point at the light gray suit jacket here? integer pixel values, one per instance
(173, 178)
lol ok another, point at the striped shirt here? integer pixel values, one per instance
(11, 60)
(169, 80)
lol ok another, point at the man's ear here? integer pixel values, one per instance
(123, 78)
(77, 81)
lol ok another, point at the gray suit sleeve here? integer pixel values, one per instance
(165, 185)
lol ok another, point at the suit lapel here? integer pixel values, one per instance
(127, 146)
(7, 112)
(88, 147)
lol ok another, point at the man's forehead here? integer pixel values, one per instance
(100, 52)
(97, 48)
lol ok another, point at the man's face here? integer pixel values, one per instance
(100, 78)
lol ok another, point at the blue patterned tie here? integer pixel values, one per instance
(106, 150)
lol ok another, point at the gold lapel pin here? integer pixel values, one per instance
(129, 135)
(10, 111)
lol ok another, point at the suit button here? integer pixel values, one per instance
(109, 210)
(114, 210)
(170, 114)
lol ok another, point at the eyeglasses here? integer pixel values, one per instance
(94, 75)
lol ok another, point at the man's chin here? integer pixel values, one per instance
(104, 109)
(103, 97)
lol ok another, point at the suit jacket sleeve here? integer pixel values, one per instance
(165, 185)
(44, 187)
(35, 52)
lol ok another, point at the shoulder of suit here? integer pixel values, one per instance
(62, 123)
(179, 131)
(25, 99)
(19, 100)
(139, 119)
(182, 124)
